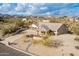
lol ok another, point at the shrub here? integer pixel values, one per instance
(47, 42)
(74, 28)
(20, 23)
(51, 43)
(36, 41)
(77, 39)
(9, 29)
(76, 31)
(1, 19)
(5, 31)
(46, 35)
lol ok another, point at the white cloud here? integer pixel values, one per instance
(38, 9)
(22, 8)
(43, 8)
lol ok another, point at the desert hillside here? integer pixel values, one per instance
(10, 24)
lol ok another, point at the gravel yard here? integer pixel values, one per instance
(22, 43)
(68, 48)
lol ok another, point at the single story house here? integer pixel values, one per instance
(55, 28)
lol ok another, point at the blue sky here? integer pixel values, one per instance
(40, 9)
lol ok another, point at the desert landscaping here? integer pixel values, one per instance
(41, 36)
(64, 49)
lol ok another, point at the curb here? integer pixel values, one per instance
(19, 50)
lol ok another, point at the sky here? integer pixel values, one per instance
(40, 9)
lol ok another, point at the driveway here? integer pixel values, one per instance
(12, 38)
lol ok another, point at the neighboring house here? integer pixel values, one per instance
(55, 28)
(46, 21)
(33, 26)
(24, 19)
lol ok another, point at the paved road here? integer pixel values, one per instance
(7, 51)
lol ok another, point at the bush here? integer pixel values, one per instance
(9, 29)
(45, 35)
(47, 42)
(77, 39)
(51, 43)
(36, 41)
(74, 28)
(76, 31)
(20, 23)
(5, 31)
(1, 19)
(12, 27)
